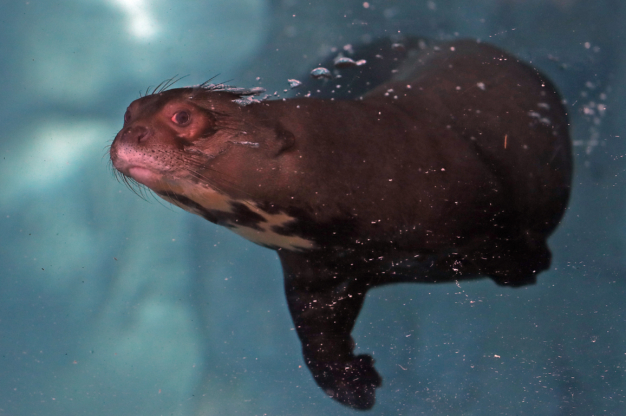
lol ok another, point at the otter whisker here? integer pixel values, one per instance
(208, 81)
(137, 188)
(164, 85)
(114, 172)
(107, 152)
(154, 91)
(171, 82)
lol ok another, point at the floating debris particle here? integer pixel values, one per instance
(398, 47)
(294, 83)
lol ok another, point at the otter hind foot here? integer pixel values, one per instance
(353, 383)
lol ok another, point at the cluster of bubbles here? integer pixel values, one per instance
(593, 109)
(340, 62)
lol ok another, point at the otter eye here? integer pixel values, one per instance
(181, 118)
(127, 116)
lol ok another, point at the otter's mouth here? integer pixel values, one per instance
(137, 173)
(144, 176)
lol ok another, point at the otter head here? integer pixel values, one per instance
(204, 151)
(195, 135)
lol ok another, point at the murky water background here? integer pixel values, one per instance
(111, 305)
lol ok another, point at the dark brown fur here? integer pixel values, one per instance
(458, 167)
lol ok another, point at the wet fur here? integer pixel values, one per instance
(424, 184)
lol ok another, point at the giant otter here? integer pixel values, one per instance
(456, 165)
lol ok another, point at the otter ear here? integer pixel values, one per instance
(285, 139)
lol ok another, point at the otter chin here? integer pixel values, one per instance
(145, 176)
(453, 163)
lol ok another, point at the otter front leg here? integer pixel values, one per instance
(324, 303)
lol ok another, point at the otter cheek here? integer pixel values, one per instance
(145, 176)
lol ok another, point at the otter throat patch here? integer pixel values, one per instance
(242, 217)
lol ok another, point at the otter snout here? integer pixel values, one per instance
(134, 134)
(125, 151)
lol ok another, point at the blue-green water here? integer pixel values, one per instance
(111, 305)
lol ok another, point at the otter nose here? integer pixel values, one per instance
(135, 134)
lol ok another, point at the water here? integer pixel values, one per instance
(115, 305)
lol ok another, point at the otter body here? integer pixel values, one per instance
(459, 166)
